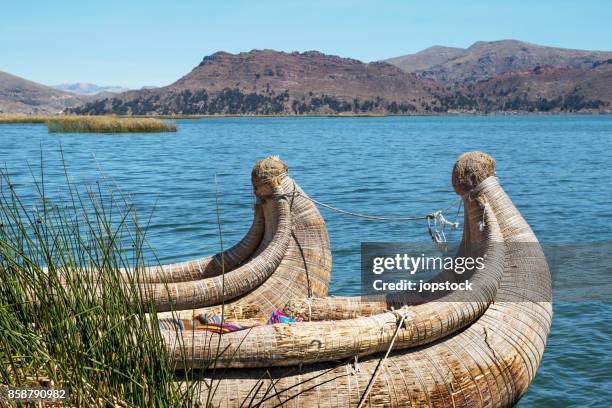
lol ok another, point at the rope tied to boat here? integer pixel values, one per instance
(362, 215)
(474, 193)
(436, 222)
(400, 318)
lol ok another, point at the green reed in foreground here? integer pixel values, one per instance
(72, 315)
(67, 319)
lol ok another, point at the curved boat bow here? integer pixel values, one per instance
(285, 254)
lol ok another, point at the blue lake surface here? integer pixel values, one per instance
(557, 169)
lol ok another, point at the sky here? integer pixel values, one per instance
(136, 43)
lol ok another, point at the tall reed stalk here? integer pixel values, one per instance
(67, 319)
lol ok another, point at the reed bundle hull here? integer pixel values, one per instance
(477, 353)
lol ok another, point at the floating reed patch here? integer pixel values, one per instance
(105, 124)
(94, 124)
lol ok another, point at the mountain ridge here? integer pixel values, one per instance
(497, 76)
(86, 88)
(21, 96)
(276, 82)
(485, 59)
(550, 89)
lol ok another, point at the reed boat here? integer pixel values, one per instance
(284, 255)
(480, 349)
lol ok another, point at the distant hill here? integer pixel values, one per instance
(84, 88)
(20, 96)
(498, 76)
(272, 82)
(427, 58)
(484, 60)
(543, 89)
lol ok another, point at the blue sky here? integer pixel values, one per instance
(136, 43)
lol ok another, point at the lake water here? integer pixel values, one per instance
(558, 171)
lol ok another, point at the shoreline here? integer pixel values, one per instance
(25, 118)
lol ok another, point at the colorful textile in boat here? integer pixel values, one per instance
(280, 317)
(212, 323)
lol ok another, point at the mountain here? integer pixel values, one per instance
(543, 89)
(427, 58)
(20, 96)
(84, 88)
(484, 60)
(272, 82)
(500, 76)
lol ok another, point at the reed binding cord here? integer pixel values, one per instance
(400, 324)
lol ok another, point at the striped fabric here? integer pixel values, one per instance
(213, 323)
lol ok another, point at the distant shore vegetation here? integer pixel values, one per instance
(8, 119)
(236, 102)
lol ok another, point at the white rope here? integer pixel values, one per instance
(366, 216)
(400, 324)
(369, 216)
(435, 220)
(308, 299)
(435, 225)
